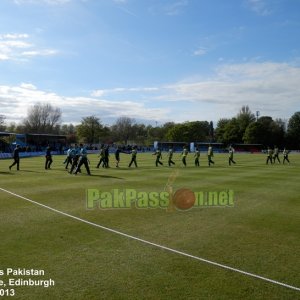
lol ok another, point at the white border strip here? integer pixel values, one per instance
(156, 245)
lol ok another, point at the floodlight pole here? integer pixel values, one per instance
(257, 115)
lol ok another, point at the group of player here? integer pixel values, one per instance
(185, 152)
(16, 158)
(77, 156)
(273, 155)
(104, 156)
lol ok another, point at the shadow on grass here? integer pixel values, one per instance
(28, 171)
(107, 176)
(92, 175)
(58, 170)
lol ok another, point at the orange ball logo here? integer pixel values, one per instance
(184, 199)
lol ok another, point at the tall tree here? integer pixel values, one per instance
(158, 133)
(278, 132)
(2, 123)
(245, 117)
(211, 131)
(42, 118)
(220, 130)
(293, 130)
(189, 131)
(265, 131)
(90, 130)
(254, 134)
(232, 132)
(140, 133)
(69, 130)
(124, 130)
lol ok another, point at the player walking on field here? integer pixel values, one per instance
(230, 160)
(269, 156)
(16, 157)
(158, 157)
(170, 156)
(197, 156)
(184, 154)
(117, 156)
(133, 157)
(102, 157)
(69, 158)
(276, 154)
(106, 157)
(285, 156)
(210, 154)
(83, 160)
(48, 157)
(75, 159)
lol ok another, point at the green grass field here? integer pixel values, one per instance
(259, 234)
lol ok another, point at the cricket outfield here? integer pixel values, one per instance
(48, 232)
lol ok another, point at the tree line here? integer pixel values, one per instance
(242, 128)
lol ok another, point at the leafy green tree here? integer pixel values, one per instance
(293, 130)
(123, 130)
(278, 132)
(211, 131)
(90, 130)
(69, 130)
(232, 133)
(158, 133)
(178, 133)
(265, 131)
(154, 134)
(189, 131)
(245, 117)
(254, 134)
(220, 130)
(2, 123)
(140, 133)
(106, 135)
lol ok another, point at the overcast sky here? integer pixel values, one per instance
(152, 60)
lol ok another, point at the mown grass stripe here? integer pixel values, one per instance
(154, 244)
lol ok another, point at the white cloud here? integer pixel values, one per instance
(101, 92)
(171, 8)
(98, 93)
(12, 47)
(176, 7)
(28, 86)
(6, 44)
(260, 7)
(15, 100)
(45, 52)
(271, 88)
(200, 51)
(3, 56)
(14, 36)
(50, 2)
